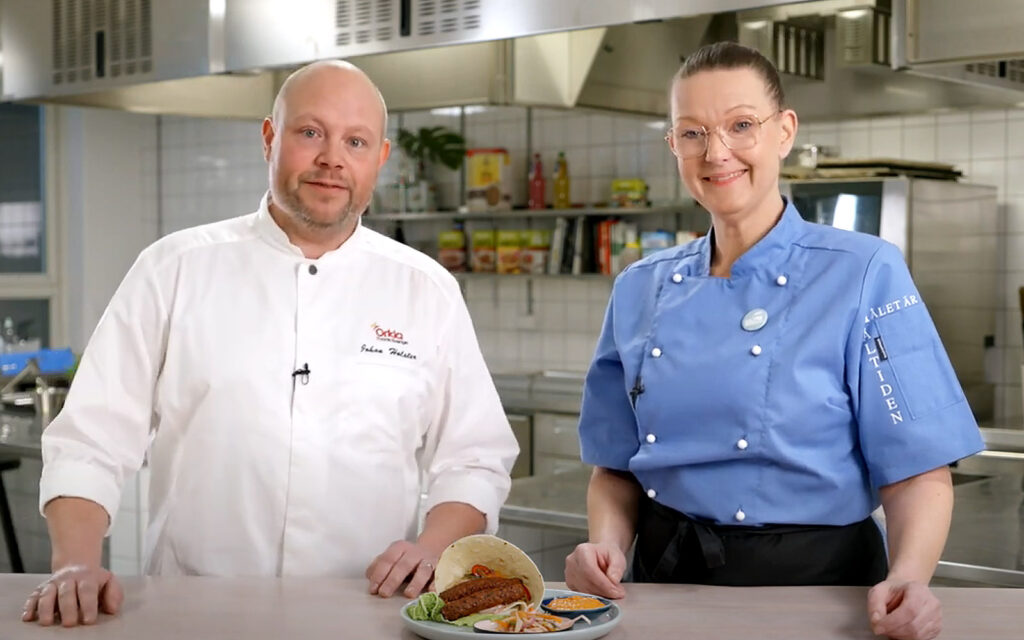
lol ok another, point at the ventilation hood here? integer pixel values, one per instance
(227, 58)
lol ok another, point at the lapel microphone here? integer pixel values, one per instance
(302, 374)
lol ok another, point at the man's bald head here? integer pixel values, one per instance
(316, 70)
(324, 145)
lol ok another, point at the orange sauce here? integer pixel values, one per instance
(575, 603)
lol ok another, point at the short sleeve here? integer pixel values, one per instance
(608, 431)
(911, 411)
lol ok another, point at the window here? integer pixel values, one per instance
(22, 223)
(29, 282)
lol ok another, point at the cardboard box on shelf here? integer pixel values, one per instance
(536, 247)
(487, 186)
(508, 251)
(483, 248)
(451, 252)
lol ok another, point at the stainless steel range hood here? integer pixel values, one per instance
(227, 57)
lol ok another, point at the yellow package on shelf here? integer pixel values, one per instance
(509, 247)
(487, 186)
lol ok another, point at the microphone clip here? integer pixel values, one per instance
(302, 374)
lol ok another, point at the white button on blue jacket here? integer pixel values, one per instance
(852, 389)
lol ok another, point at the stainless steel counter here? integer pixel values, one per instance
(20, 434)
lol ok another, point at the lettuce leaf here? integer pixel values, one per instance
(427, 607)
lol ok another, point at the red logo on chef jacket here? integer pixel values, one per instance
(388, 335)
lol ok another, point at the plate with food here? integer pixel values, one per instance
(488, 585)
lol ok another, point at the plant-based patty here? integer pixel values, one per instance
(463, 589)
(507, 591)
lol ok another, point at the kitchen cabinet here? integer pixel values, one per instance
(522, 428)
(556, 446)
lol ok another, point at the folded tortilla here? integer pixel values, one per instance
(502, 557)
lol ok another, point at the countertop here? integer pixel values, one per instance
(255, 608)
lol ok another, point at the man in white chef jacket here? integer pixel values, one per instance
(297, 379)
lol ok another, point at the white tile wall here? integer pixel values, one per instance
(129, 530)
(107, 161)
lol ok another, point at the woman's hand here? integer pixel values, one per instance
(596, 568)
(904, 611)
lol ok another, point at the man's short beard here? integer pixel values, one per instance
(303, 215)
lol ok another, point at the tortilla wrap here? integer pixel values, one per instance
(501, 556)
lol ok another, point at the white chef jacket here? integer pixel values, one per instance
(255, 471)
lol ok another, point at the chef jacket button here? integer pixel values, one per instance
(651, 438)
(651, 493)
(755, 350)
(656, 352)
(312, 269)
(742, 444)
(677, 278)
(740, 516)
(781, 281)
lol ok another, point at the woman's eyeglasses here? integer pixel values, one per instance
(737, 134)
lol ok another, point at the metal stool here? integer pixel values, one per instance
(6, 519)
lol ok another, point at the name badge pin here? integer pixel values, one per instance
(754, 319)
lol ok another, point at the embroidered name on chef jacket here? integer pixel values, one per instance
(386, 335)
(876, 353)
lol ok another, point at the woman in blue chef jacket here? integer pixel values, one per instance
(757, 393)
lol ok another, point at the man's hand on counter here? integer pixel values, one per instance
(596, 568)
(80, 588)
(413, 563)
(405, 563)
(74, 595)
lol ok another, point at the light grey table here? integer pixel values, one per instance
(308, 608)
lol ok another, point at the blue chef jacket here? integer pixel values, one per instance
(784, 394)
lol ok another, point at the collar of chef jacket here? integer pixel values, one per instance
(765, 252)
(275, 236)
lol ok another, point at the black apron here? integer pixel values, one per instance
(672, 547)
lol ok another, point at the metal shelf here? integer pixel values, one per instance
(428, 216)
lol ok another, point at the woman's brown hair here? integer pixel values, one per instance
(730, 55)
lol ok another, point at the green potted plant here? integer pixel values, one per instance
(421, 148)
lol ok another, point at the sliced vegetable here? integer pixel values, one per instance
(481, 571)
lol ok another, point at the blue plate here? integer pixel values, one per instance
(576, 612)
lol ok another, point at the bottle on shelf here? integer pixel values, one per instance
(561, 198)
(8, 336)
(536, 200)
